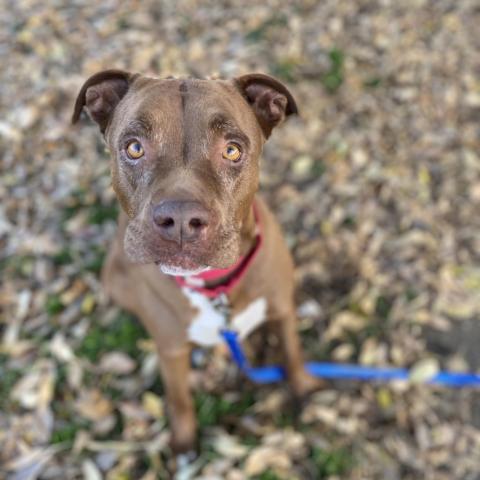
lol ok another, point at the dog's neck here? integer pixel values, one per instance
(249, 232)
(249, 239)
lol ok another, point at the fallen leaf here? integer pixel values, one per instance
(61, 349)
(90, 470)
(35, 389)
(88, 304)
(264, 457)
(229, 446)
(153, 405)
(117, 362)
(424, 370)
(93, 405)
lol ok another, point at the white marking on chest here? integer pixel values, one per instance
(207, 323)
(250, 318)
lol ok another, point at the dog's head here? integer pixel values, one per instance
(185, 160)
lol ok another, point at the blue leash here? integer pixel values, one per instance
(275, 373)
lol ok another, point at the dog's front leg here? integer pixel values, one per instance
(175, 369)
(132, 288)
(300, 381)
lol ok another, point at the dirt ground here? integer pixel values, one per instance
(377, 187)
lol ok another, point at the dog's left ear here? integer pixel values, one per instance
(270, 100)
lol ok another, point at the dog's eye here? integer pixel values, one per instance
(135, 150)
(232, 152)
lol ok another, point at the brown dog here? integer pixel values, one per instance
(185, 163)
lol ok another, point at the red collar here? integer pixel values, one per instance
(234, 273)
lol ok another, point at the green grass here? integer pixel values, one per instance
(98, 214)
(318, 168)
(285, 418)
(75, 203)
(332, 462)
(94, 259)
(372, 82)
(63, 257)
(267, 475)
(284, 70)
(259, 33)
(123, 23)
(333, 78)
(250, 440)
(8, 378)
(211, 408)
(410, 294)
(123, 334)
(349, 222)
(53, 305)
(66, 431)
(383, 306)
(67, 423)
(91, 258)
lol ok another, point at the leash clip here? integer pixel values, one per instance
(221, 304)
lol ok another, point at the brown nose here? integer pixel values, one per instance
(180, 221)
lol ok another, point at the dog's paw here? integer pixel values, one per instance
(303, 384)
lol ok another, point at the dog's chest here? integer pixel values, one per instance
(210, 318)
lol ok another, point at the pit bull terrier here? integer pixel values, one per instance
(185, 167)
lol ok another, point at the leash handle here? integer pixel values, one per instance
(274, 373)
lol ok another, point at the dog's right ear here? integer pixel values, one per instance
(270, 99)
(100, 94)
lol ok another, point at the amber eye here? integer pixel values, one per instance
(232, 152)
(135, 150)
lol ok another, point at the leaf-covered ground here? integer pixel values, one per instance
(377, 186)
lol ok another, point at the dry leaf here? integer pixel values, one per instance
(153, 405)
(117, 362)
(35, 389)
(229, 446)
(424, 370)
(264, 457)
(342, 322)
(93, 405)
(90, 470)
(88, 304)
(61, 349)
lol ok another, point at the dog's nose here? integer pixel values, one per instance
(180, 221)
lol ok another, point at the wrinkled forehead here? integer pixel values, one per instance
(191, 106)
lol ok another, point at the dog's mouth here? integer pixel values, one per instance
(181, 265)
(181, 272)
